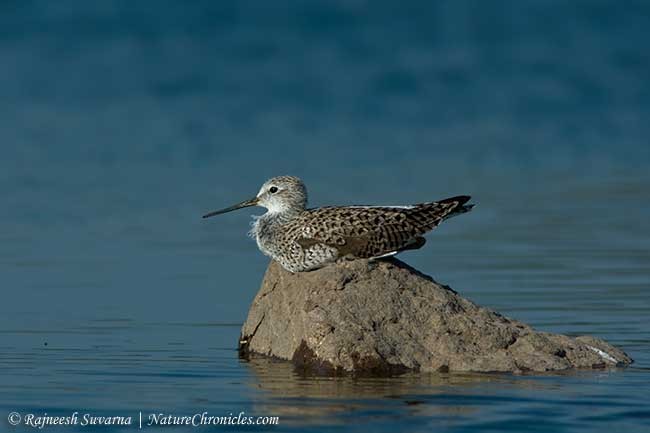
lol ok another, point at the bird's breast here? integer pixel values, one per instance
(265, 231)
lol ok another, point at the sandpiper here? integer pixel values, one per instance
(302, 239)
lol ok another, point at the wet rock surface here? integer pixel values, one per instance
(385, 318)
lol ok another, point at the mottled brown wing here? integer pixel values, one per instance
(365, 232)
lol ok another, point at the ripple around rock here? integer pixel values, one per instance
(386, 318)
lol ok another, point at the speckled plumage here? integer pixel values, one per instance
(303, 239)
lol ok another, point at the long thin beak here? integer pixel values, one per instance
(247, 203)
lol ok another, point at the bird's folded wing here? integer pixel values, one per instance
(357, 232)
(372, 231)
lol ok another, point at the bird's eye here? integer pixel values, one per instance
(273, 189)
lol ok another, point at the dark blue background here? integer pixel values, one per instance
(122, 122)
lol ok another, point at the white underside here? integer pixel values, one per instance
(392, 253)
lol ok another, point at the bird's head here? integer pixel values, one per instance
(281, 194)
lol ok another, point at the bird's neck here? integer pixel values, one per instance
(282, 214)
(280, 217)
(268, 228)
(270, 223)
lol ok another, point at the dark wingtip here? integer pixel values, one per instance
(461, 199)
(459, 204)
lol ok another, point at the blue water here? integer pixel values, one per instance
(123, 122)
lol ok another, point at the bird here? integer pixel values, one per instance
(302, 239)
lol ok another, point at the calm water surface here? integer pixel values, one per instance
(123, 122)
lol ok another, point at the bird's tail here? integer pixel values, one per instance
(457, 205)
(426, 216)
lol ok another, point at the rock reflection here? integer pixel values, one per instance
(442, 396)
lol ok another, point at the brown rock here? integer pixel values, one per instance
(385, 318)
